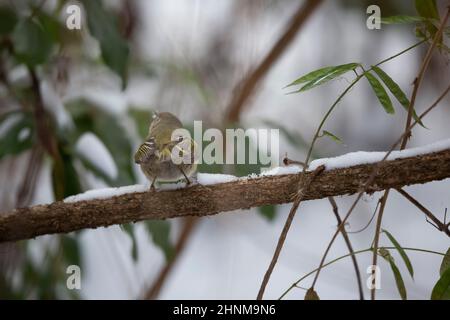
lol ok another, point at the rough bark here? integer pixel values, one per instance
(198, 200)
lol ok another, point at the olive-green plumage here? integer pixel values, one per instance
(155, 154)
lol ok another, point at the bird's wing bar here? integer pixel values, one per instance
(145, 151)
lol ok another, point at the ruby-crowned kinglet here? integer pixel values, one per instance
(155, 154)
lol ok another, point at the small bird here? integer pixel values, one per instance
(155, 154)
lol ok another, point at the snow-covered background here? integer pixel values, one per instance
(228, 253)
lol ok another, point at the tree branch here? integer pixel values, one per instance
(198, 200)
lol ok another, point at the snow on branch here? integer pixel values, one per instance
(213, 194)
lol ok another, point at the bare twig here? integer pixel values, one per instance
(295, 284)
(370, 220)
(372, 179)
(246, 87)
(419, 78)
(438, 224)
(417, 83)
(299, 197)
(349, 246)
(27, 187)
(42, 121)
(376, 240)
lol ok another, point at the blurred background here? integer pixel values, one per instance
(75, 104)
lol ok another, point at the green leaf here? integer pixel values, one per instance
(160, 233)
(380, 93)
(108, 129)
(65, 179)
(313, 75)
(8, 20)
(398, 280)
(323, 75)
(32, 45)
(50, 24)
(332, 136)
(129, 229)
(441, 290)
(385, 254)
(427, 9)
(71, 250)
(114, 48)
(401, 19)
(268, 212)
(401, 251)
(99, 172)
(397, 275)
(95, 166)
(142, 119)
(311, 294)
(447, 32)
(396, 91)
(445, 263)
(16, 133)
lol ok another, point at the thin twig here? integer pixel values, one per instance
(417, 83)
(295, 284)
(419, 78)
(349, 246)
(370, 221)
(28, 185)
(376, 240)
(304, 185)
(371, 179)
(439, 225)
(42, 120)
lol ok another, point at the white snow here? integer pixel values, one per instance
(363, 157)
(23, 134)
(214, 178)
(54, 104)
(276, 171)
(93, 150)
(107, 100)
(106, 193)
(9, 122)
(346, 160)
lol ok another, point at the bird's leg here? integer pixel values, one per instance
(188, 182)
(152, 186)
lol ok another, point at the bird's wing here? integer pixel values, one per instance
(145, 151)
